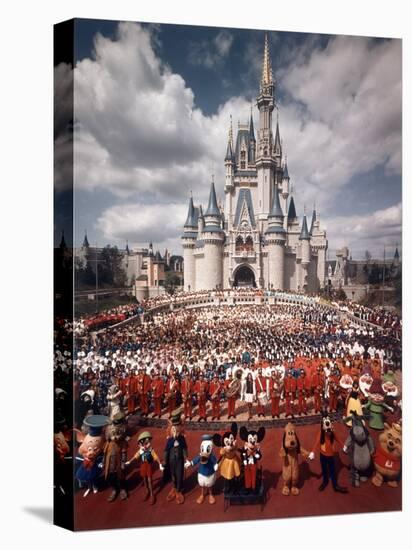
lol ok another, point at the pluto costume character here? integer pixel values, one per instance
(289, 453)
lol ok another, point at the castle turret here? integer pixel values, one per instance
(265, 162)
(213, 238)
(85, 241)
(189, 239)
(304, 239)
(275, 237)
(252, 140)
(230, 171)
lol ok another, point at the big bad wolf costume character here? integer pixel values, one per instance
(175, 456)
(326, 442)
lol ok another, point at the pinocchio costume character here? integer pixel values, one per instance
(326, 443)
(175, 456)
(115, 456)
(147, 457)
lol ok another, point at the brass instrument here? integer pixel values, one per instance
(234, 388)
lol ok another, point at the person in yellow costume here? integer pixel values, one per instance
(229, 461)
(353, 404)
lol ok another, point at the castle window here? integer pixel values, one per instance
(242, 160)
(239, 245)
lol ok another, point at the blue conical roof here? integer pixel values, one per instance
(251, 128)
(85, 241)
(304, 234)
(396, 254)
(190, 220)
(276, 210)
(229, 152)
(212, 207)
(285, 172)
(292, 209)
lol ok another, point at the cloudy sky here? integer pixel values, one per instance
(152, 108)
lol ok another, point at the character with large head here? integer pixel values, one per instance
(90, 452)
(229, 462)
(175, 456)
(289, 453)
(360, 447)
(147, 457)
(207, 466)
(115, 456)
(388, 456)
(251, 454)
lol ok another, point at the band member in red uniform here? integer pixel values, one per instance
(171, 391)
(274, 391)
(333, 385)
(261, 393)
(317, 388)
(143, 388)
(232, 389)
(301, 392)
(201, 388)
(308, 388)
(130, 391)
(215, 390)
(157, 387)
(290, 391)
(186, 388)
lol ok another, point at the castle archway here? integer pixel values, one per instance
(244, 277)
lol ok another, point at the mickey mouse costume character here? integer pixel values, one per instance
(229, 461)
(207, 466)
(326, 442)
(251, 454)
(175, 456)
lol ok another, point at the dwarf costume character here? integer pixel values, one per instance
(376, 406)
(326, 443)
(207, 466)
(175, 456)
(115, 456)
(147, 457)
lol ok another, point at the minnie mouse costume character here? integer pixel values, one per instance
(326, 442)
(251, 454)
(229, 461)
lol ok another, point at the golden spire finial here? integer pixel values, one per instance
(267, 67)
(231, 133)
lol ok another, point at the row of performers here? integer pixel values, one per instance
(104, 452)
(290, 394)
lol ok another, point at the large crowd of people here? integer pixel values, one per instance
(220, 361)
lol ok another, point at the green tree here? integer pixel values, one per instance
(171, 282)
(111, 272)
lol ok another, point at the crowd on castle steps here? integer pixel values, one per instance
(217, 361)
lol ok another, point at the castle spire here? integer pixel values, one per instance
(313, 220)
(267, 77)
(85, 240)
(304, 234)
(212, 207)
(278, 144)
(276, 210)
(229, 151)
(291, 210)
(190, 220)
(251, 126)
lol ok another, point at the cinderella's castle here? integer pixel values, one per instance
(257, 239)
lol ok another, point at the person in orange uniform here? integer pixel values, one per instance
(317, 388)
(376, 368)
(215, 390)
(143, 388)
(230, 383)
(326, 441)
(172, 388)
(333, 384)
(201, 388)
(301, 392)
(157, 387)
(356, 367)
(261, 390)
(130, 390)
(186, 388)
(274, 391)
(290, 391)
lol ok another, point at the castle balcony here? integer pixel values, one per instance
(244, 255)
